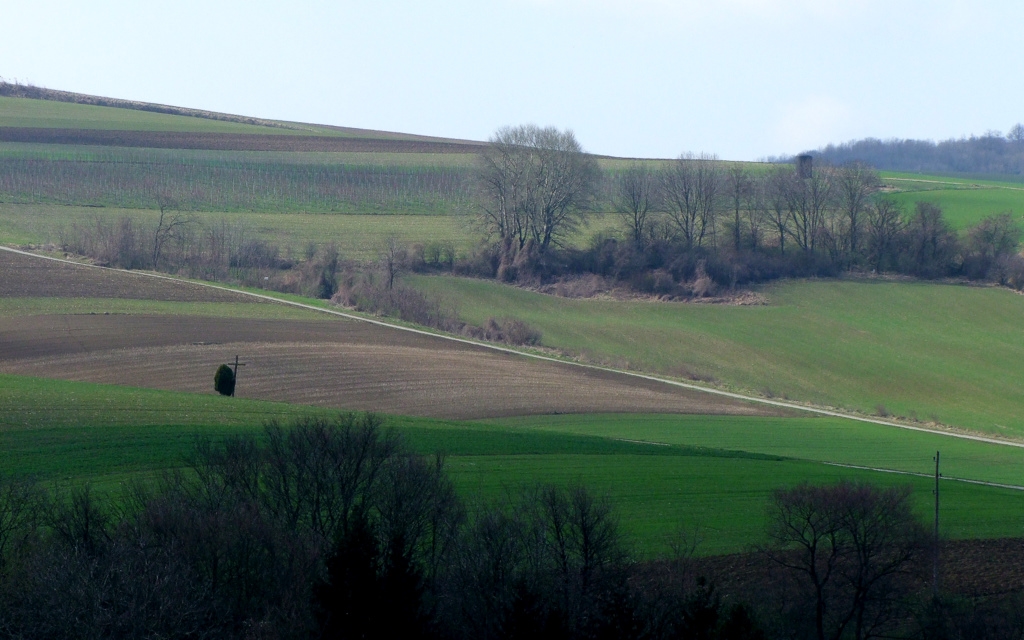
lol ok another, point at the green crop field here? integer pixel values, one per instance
(821, 439)
(232, 181)
(358, 237)
(944, 353)
(716, 480)
(963, 208)
(964, 201)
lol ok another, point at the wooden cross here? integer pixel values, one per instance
(235, 374)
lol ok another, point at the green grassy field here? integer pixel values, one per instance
(945, 353)
(964, 201)
(821, 439)
(358, 237)
(233, 181)
(717, 473)
(966, 207)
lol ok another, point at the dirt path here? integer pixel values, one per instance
(333, 362)
(958, 184)
(926, 475)
(673, 383)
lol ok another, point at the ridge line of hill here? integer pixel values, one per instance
(206, 140)
(675, 383)
(13, 90)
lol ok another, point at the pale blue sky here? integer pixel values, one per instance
(653, 78)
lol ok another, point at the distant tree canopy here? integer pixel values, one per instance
(991, 153)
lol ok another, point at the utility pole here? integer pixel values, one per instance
(236, 374)
(935, 565)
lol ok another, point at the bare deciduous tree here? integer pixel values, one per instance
(506, 183)
(844, 545)
(809, 201)
(931, 243)
(776, 190)
(20, 503)
(168, 226)
(758, 211)
(885, 223)
(1016, 134)
(855, 183)
(536, 184)
(393, 259)
(691, 188)
(636, 197)
(739, 186)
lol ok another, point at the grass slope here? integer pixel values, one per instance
(831, 440)
(964, 201)
(27, 112)
(358, 237)
(74, 432)
(952, 354)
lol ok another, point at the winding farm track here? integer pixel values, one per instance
(715, 401)
(334, 361)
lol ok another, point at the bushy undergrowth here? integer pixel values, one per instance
(230, 253)
(365, 291)
(923, 246)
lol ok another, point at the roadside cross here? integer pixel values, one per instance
(235, 374)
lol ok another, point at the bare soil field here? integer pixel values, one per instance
(332, 362)
(344, 364)
(228, 141)
(24, 276)
(61, 335)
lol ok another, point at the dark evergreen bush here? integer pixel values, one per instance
(224, 381)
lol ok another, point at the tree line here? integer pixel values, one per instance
(696, 219)
(989, 154)
(692, 226)
(333, 528)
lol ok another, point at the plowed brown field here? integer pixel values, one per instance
(28, 276)
(332, 362)
(343, 364)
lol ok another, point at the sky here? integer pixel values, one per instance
(743, 79)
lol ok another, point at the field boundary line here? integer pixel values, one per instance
(537, 356)
(1015, 487)
(962, 184)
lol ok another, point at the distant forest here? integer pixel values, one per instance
(989, 154)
